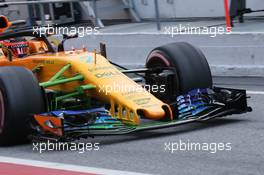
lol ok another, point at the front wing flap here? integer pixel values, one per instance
(196, 105)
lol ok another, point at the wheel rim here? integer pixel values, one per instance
(2, 112)
(159, 57)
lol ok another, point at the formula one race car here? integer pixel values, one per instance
(49, 93)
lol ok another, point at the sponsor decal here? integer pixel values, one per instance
(87, 59)
(100, 68)
(141, 101)
(43, 61)
(107, 74)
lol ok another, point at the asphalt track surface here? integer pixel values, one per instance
(145, 152)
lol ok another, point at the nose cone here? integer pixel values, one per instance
(157, 112)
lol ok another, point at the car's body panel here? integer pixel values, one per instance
(111, 84)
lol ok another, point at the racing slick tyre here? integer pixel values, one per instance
(192, 69)
(20, 97)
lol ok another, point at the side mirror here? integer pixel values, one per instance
(4, 24)
(65, 37)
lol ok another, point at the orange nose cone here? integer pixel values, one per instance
(157, 113)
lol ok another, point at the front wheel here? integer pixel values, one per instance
(191, 67)
(20, 97)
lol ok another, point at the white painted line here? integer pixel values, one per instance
(102, 33)
(255, 92)
(105, 33)
(67, 167)
(233, 46)
(154, 33)
(250, 32)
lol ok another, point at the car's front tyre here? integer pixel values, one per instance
(20, 97)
